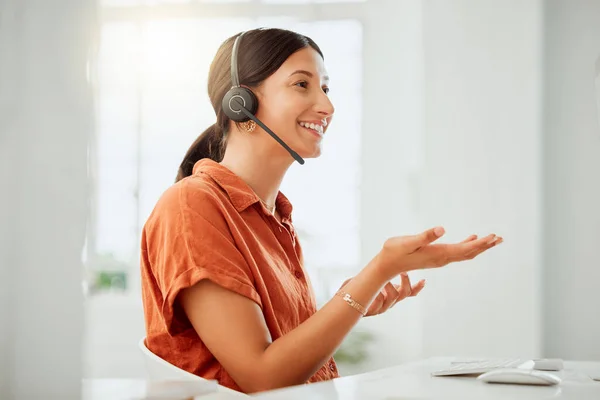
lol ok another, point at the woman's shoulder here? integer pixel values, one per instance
(195, 195)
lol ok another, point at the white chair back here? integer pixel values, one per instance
(159, 369)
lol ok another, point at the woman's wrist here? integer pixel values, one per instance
(381, 268)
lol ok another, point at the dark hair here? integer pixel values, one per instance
(261, 52)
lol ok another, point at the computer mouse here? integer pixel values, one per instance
(520, 376)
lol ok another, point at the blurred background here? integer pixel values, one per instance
(481, 116)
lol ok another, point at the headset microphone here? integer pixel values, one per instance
(240, 103)
(269, 131)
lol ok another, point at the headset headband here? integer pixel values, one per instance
(235, 81)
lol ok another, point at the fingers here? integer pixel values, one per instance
(476, 245)
(416, 289)
(469, 239)
(391, 294)
(385, 300)
(468, 250)
(390, 297)
(439, 255)
(375, 307)
(496, 240)
(405, 289)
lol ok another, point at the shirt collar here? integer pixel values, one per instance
(239, 192)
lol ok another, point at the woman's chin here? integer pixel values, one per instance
(313, 151)
(311, 144)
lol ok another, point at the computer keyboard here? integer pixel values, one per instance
(479, 366)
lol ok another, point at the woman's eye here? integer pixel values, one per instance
(304, 85)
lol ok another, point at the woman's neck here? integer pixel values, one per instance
(263, 172)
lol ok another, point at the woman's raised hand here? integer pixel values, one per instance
(407, 253)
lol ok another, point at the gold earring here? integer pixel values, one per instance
(249, 126)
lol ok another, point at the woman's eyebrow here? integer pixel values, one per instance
(307, 73)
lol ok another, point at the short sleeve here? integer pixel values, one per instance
(191, 245)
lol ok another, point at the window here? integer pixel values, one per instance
(153, 103)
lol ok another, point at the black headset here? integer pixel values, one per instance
(240, 103)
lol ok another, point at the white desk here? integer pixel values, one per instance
(133, 389)
(403, 382)
(414, 381)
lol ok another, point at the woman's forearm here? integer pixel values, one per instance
(295, 357)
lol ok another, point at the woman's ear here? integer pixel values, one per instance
(256, 90)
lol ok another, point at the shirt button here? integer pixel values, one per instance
(331, 367)
(280, 229)
(298, 274)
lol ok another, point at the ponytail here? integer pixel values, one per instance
(209, 144)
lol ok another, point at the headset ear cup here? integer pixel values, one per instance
(243, 95)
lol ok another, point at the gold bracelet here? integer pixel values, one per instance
(348, 299)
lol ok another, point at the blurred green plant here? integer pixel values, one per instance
(111, 280)
(107, 273)
(354, 350)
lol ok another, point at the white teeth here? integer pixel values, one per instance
(316, 127)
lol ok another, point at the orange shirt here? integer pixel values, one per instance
(212, 225)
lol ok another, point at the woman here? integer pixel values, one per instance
(225, 293)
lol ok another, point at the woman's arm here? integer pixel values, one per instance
(234, 330)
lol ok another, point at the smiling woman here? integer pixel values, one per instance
(152, 104)
(229, 180)
(297, 92)
(225, 292)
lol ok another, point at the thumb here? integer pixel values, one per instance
(415, 242)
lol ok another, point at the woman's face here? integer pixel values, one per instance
(293, 102)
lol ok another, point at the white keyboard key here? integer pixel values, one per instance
(478, 367)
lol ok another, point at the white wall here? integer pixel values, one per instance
(572, 181)
(466, 134)
(114, 324)
(45, 122)
(393, 118)
(482, 173)
(7, 202)
(511, 144)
